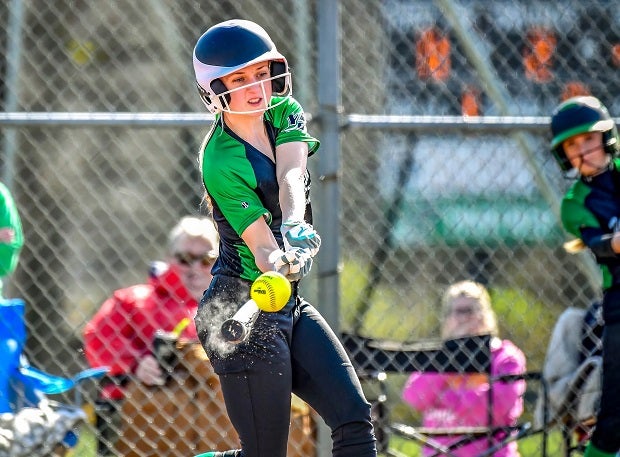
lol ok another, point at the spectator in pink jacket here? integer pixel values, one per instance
(453, 399)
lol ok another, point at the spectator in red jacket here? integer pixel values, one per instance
(120, 335)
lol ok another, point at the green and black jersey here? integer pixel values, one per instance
(591, 212)
(242, 184)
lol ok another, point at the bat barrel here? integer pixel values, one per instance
(237, 328)
(233, 331)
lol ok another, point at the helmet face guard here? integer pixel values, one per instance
(223, 97)
(578, 115)
(228, 47)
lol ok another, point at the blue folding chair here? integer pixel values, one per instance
(23, 386)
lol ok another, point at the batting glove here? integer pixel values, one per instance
(300, 234)
(294, 263)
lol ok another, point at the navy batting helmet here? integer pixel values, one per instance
(581, 115)
(229, 46)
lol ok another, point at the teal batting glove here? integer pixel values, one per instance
(300, 234)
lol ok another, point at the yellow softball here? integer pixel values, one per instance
(271, 291)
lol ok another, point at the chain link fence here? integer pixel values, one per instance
(422, 205)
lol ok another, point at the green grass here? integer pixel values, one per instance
(528, 447)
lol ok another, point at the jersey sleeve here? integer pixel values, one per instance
(233, 193)
(575, 216)
(290, 119)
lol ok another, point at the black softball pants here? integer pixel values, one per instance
(293, 350)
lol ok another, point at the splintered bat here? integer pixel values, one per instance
(237, 328)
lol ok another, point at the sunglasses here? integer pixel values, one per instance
(187, 259)
(464, 311)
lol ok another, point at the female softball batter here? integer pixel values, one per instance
(253, 163)
(585, 139)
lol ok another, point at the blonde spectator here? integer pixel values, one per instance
(460, 400)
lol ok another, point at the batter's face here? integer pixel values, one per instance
(249, 90)
(586, 153)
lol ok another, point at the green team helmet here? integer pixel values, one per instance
(581, 115)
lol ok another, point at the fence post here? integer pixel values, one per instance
(329, 176)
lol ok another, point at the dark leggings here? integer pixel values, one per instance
(293, 350)
(606, 436)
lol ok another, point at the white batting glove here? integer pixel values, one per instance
(295, 263)
(300, 234)
(149, 372)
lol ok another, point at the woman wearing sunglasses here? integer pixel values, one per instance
(120, 335)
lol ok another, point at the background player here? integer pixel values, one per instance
(585, 139)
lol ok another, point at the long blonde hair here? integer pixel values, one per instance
(480, 294)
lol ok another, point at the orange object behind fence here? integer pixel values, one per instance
(538, 54)
(433, 55)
